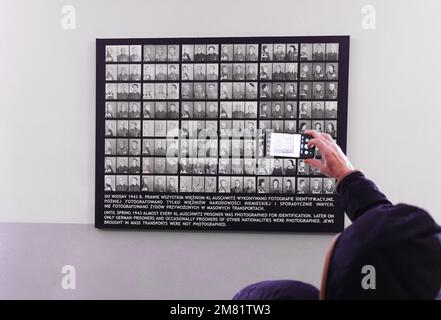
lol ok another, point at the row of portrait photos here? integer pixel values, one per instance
(226, 52)
(228, 110)
(208, 166)
(228, 72)
(211, 130)
(228, 91)
(237, 184)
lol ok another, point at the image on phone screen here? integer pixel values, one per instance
(289, 145)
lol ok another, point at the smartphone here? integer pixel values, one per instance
(289, 145)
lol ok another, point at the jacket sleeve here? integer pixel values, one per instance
(359, 194)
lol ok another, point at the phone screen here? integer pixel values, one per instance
(284, 145)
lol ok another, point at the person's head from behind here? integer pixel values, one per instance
(389, 256)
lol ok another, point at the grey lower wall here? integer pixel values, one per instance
(148, 265)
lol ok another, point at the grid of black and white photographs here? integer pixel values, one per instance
(190, 115)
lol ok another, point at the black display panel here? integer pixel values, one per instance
(181, 126)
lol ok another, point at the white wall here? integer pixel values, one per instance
(47, 90)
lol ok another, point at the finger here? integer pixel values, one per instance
(319, 143)
(315, 163)
(328, 137)
(316, 135)
(312, 133)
